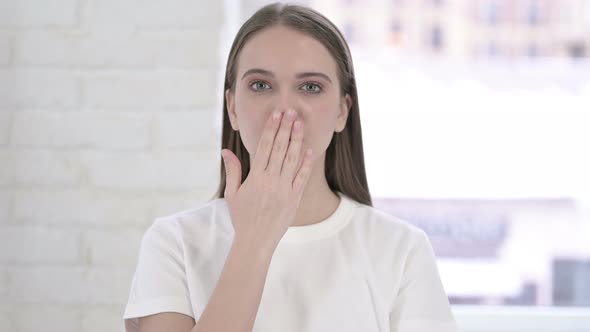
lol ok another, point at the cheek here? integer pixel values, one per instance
(251, 128)
(321, 125)
(327, 111)
(251, 118)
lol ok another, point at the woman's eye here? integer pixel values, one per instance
(259, 86)
(312, 87)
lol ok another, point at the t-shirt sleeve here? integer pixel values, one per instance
(421, 304)
(159, 283)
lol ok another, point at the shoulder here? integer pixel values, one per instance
(207, 215)
(378, 219)
(385, 228)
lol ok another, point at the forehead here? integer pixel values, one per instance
(284, 50)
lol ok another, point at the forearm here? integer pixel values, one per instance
(234, 303)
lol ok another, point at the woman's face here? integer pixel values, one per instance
(280, 68)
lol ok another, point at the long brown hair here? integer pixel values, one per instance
(345, 162)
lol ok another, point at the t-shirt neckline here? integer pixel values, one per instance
(338, 219)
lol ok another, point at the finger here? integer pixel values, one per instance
(304, 172)
(233, 173)
(279, 147)
(265, 143)
(294, 152)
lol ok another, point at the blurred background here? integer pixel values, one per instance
(475, 119)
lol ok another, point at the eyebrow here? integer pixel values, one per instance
(298, 75)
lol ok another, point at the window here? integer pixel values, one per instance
(491, 12)
(471, 163)
(577, 50)
(532, 51)
(484, 153)
(348, 31)
(492, 49)
(533, 12)
(396, 33)
(436, 38)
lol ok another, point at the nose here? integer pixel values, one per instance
(287, 101)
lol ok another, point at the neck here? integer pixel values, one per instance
(318, 201)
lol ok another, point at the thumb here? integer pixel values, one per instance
(233, 172)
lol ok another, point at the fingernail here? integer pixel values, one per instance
(291, 114)
(276, 115)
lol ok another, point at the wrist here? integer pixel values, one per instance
(261, 249)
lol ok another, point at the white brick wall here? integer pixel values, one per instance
(5, 49)
(39, 168)
(5, 122)
(39, 245)
(149, 89)
(34, 88)
(137, 49)
(109, 114)
(5, 206)
(83, 207)
(34, 13)
(29, 317)
(81, 130)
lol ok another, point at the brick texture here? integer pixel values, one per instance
(108, 119)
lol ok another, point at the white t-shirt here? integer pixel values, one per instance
(358, 270)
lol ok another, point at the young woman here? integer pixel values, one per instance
(291, 241)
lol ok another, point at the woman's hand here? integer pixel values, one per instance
(264, 206)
